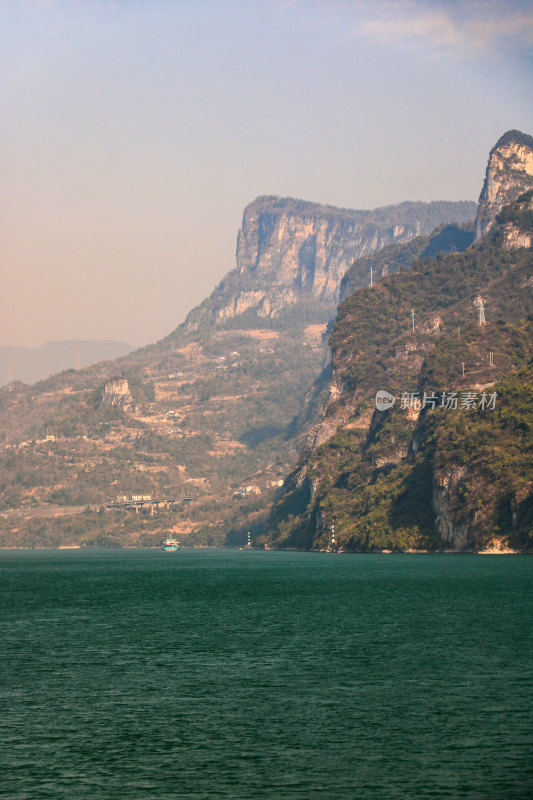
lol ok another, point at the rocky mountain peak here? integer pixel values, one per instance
(509, 174)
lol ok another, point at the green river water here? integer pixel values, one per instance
(265, 676)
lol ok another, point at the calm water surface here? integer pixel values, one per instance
(274, 676)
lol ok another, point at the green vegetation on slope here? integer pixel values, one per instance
(445, 478)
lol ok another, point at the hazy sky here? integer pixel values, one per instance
(134, 132)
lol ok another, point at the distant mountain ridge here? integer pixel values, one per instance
(32, 364)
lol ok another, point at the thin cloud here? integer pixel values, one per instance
(461, 29)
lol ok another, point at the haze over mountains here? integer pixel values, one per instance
(31, 364)
(220, 409)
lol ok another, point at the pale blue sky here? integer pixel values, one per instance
(133, 133)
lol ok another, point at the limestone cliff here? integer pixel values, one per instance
(117, 394)
(509, 174)
(291, 253)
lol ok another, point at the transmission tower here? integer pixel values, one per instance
(10, 376)
(481, 307)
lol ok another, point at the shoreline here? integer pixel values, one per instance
(489, 551)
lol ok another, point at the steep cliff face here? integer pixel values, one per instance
(293, 253)
(306, 248)
(446, 494)
(509, 174)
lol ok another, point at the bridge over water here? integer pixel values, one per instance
(153, 504)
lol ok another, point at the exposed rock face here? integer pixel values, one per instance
(304, 249)
(291, 253)
(261, 301)
(445, 503)
(513, 234)
(509, 174)
(117, 394)
(516, 238)
(309, 246)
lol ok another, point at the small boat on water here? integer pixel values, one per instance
(171, 544)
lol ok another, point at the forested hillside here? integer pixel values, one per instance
(449, 466)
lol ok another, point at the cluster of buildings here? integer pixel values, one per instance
(246, 491)
(19, 445)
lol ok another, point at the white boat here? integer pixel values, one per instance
(171, 544)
